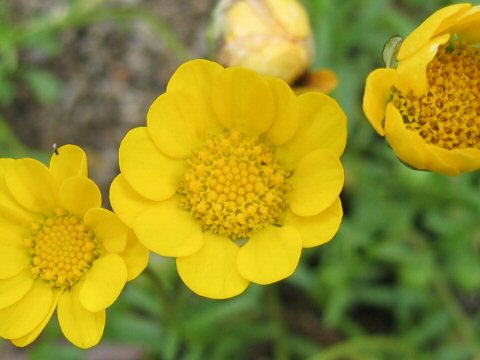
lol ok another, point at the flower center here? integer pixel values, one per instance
(234, 185)
(448, 114)
(62, 249)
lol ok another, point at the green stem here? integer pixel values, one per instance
(164, 296)
(274, 309)
(352, 349)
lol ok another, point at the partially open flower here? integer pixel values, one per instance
(59, 250)
(272, 37)
(233, 175)
(428, 104)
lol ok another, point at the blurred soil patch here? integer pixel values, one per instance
(110, 74)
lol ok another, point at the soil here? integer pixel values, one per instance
(110, 75)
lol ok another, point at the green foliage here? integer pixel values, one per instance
(399, 281)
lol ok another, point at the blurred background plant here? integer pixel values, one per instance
(399, 281)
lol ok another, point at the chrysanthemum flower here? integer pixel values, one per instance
(59, 250)
(232, 175)
(428, 105)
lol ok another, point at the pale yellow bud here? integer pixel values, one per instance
(272, 37)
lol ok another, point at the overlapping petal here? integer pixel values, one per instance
(212, 271)
(177, 122)
(79, 194)
(32, 335)
(168, 230)
(429, 28)
(126, 202)
(378, 89)
(14, 256)
(11, 212)
(317, 229)
(316, 183)
(103, 283)
(14, 288)
(108, 228)
(70, 161)
(270, 255)
(135, 255)
(286, 120)
(236, 94)
(149, 172)
(24, 179)
(80, 326)
(25, 315)
(322, 125)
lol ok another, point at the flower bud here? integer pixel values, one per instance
(272, 37)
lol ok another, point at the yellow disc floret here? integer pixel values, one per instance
(62, 248)
(234, 185)
(448, 114)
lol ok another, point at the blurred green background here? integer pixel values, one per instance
(401, 279)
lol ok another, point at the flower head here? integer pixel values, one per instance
(59, 250)
(272, 37)
(232, 175)
(428, 105)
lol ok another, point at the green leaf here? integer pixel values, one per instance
(44, 85)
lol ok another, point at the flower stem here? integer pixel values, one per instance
(274, 309)
(163, 294)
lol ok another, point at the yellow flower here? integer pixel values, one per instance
(232, 175)
(428, 106)
(272, 37)
(59, 250)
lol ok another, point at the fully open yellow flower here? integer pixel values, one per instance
(428, 106)
(59, 250)
(232, 175)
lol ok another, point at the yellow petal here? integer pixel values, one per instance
(243, 101)
(452, 162)
(25, 315)
(79, 194)
(70, 161)
(322, 125)
(135, 256)
(196, 77)
(423, 33)
(31, 336)
(270, 255)
(108, 229)
(14, 256)
(318, 229)
(32, 185)
(80, 326)
(14, 288)
(126, 202)
(285, 122)
(377, 92)
(464, 159)
(103, 283)
(149, 172)
(176, 122)
(407, 145)
(292, 16)
(168, 230)
(212, 271)
(316, 183)
(470, 34)
(10, 210)
(412, 71)
(244, 20)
